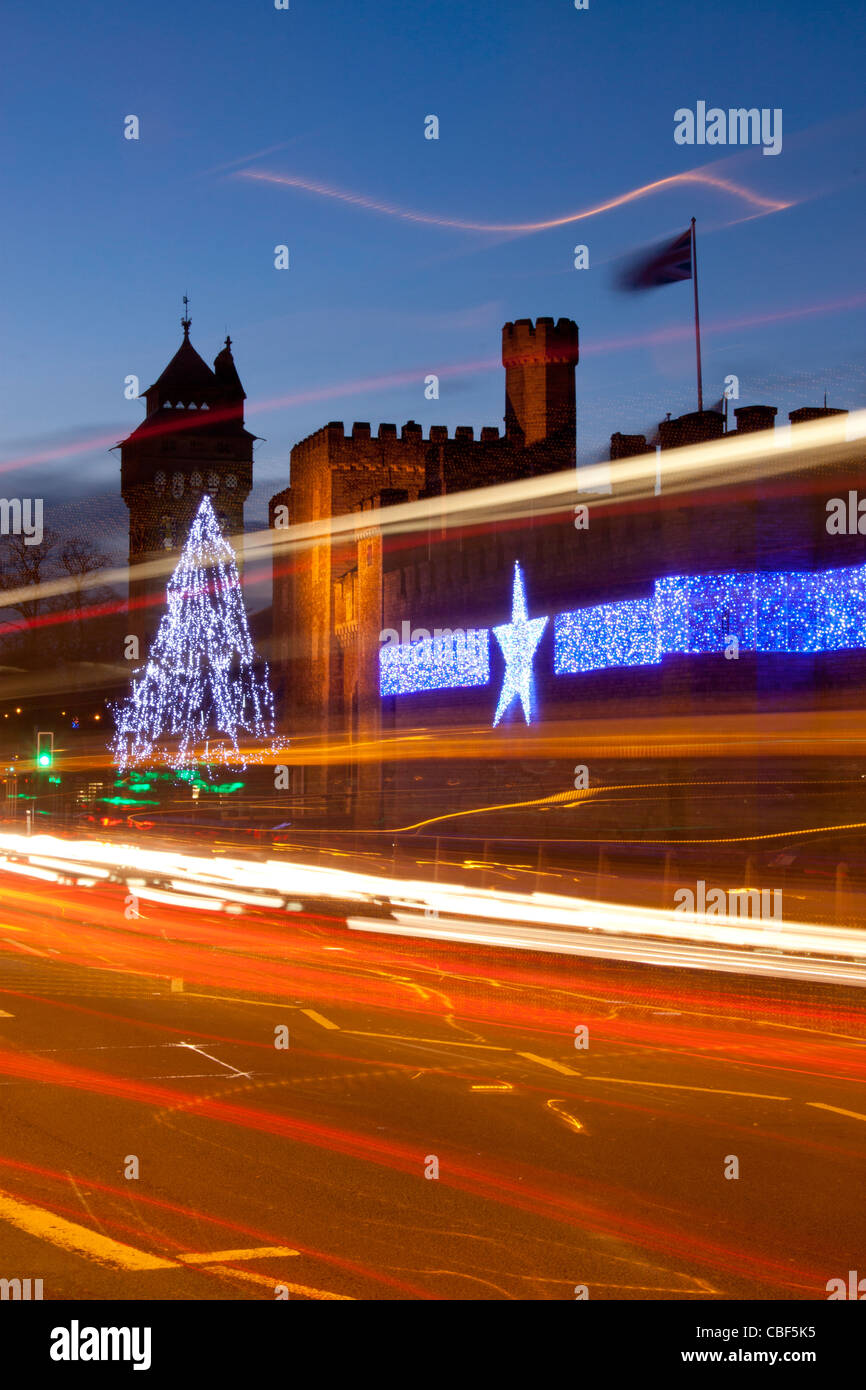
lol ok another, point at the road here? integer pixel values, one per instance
(309, 1170)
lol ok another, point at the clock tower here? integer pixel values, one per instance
(192, 441)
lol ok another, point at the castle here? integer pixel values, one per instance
(191, 441)
(323, 612)
(336, 600)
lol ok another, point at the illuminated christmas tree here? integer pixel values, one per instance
(199, 693)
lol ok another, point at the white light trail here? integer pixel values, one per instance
(522, 921)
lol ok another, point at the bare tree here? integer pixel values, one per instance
(24, 569)
(78, 559)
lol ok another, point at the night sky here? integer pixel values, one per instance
(544, 112)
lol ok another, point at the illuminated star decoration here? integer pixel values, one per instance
(784, 611)
(518, 640)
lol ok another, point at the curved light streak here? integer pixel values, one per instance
(699, 176)
(569, 798)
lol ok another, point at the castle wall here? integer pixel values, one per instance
(467, 583)
(335, 601)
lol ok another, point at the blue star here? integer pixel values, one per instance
(518, 640)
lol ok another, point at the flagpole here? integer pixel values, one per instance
(697, 317)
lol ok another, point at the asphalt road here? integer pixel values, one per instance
(306, 1170)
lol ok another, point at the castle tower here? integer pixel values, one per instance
(539, 360)
(191, 441)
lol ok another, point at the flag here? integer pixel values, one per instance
(664, 265)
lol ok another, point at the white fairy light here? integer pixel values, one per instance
(199, 690)
(518, 641)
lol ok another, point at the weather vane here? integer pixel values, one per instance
(186, 320)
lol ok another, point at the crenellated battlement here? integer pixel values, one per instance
(539, 360)
(525, 343)
(335, 434)
(327, 602)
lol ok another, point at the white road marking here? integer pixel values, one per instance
(192, 1048)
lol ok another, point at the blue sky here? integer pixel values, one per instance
(544, 111)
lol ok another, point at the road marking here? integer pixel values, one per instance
(317, 1018)
(230, 999)
(497, 1086)
(68, 1235)
(672, 1086)
(431, 1042)
(852, 1114)
(549, 1062)
(3, 1014)
(262, 1252)
(107, 1047)
(31, 950)
(271, 1283)
(192, 1048)
(192, 1076)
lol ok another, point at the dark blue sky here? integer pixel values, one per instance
(544, 111)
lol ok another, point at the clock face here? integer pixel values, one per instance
(159, 482)
(231, 481)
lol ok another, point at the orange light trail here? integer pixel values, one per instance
(258, 956)
(693, 176)
(76, 925)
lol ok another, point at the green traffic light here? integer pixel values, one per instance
(44, 759)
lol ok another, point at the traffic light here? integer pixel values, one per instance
(45, 750)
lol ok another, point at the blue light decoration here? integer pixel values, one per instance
(780, 611)
(436, 663)
(518, 640)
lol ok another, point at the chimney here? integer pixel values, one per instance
(755, 417)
